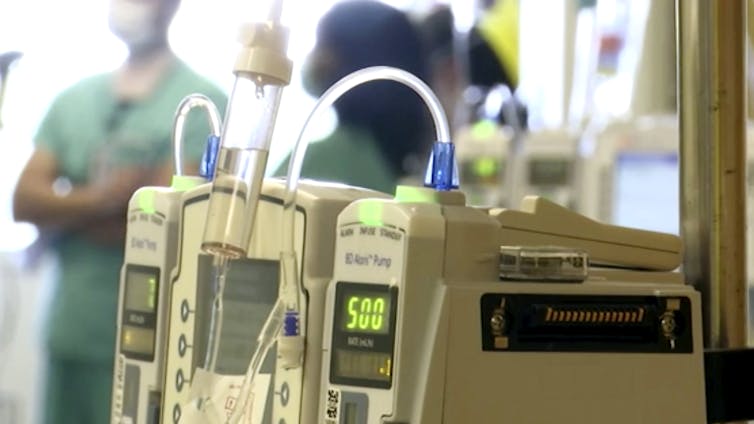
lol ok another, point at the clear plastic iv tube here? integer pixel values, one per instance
(220, 263)
(262, 69)
(187, 104)
(440, 120)
(220, 267)
(264, 342)
(241, 161)
(287, 308)
(276, 11)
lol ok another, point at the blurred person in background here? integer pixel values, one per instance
(100, 140)
(383, 132)
(446, 74)
(492, 61)
(466, 67)
(493, 45)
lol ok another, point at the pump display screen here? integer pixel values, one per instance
(646, 191)
(137, 341)
(366, 312)
(139, 314)
(363, 334)
(374, 366)
(141, 290)
(548, 172)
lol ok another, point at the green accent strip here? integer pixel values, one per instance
(184, 182)
(146, 200)
(408, 194)
(370, 213)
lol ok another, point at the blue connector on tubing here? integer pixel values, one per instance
(290, 324)
(209, 158)
(442, 171)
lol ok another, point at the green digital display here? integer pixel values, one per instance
(139, 311)
(137, 340)
(365, 312)
(361, 365)
(141, 291)
(363, 334)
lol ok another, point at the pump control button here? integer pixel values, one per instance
(285, 393)
(182, 345)
(176, 413)
(179, 380)
(184, 310)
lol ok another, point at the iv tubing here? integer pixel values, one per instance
(264, 342)
(220, 266)
(353, 80)
(275, 11)
(290, 284)
(179, 120)
(189, 102)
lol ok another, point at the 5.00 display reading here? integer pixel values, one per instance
(367, 313)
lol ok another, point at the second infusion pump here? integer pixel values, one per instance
(420, 329)
(151, 242)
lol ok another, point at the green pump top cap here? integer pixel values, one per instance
(179, 183)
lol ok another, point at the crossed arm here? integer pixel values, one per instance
(96, 209)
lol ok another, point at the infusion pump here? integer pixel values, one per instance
(420, 328)
(632, 177)
(151, 243)
(482, 154)
(251, 288)
(408, 317)
(545, 165)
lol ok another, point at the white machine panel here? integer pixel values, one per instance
(546, 166)
(151, 237)
(633, 179)
(649, 179)
(530, 372)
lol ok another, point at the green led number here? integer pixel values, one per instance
(365, 313)
(352, 313)
(378, 310)
(366, 309)
(152, 292)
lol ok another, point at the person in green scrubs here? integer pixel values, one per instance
(100, 140)
(383, 133)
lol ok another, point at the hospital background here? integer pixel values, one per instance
(597, 80)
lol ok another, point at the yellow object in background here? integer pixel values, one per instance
(499, 27)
